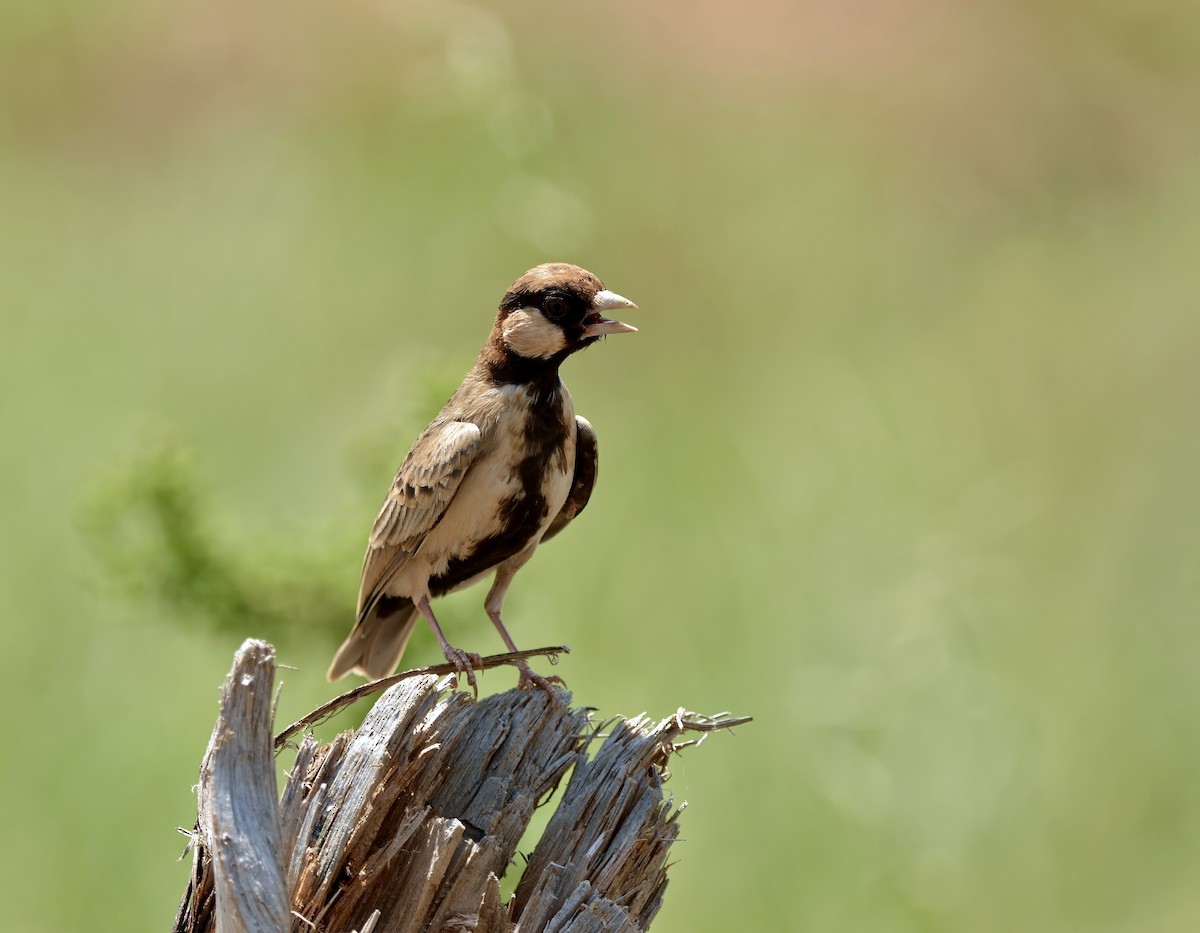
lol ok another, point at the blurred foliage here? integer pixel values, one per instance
(902, 462)
(160, 539)
(153, 530)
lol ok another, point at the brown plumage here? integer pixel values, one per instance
(505, 465)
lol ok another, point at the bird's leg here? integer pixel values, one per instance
(492, 605)
(462, 660)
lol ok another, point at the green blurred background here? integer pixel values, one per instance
(903, 462)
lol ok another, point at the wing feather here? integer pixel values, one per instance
(587, 463)
(424, 485)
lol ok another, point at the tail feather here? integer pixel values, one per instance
(375, 646)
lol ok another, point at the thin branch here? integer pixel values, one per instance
(350, 697)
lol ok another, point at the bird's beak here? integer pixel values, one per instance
(597, 325)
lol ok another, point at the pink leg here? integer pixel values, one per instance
(492, 605)
(462, 660)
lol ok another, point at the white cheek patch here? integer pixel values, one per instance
(527, 333)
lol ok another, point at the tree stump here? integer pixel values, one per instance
(409, 823)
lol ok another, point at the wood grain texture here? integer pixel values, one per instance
(237, 811)
(407, 824)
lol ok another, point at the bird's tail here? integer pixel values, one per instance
(375, 646)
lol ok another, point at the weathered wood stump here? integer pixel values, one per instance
(409, 823)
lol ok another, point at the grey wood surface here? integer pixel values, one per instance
(409, 823)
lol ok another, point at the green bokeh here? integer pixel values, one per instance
(903, 461)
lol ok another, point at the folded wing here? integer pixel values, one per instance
(423, 488)
(587, 463)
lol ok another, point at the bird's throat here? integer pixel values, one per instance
(499, 366)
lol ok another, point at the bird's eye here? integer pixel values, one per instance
(554, 308)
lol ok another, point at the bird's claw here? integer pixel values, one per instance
(529, 679)
(465, 662)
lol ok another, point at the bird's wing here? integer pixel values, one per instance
(420, 493)
(587, 461)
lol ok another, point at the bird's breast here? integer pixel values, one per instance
(513, 489)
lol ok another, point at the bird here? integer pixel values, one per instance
(504, 466)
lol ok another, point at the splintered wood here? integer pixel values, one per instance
(407, 825)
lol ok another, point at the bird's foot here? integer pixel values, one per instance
(530, 679)
(464, 662)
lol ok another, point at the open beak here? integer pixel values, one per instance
(597, 325)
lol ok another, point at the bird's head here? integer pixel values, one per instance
(555, 309)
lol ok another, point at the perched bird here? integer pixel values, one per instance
(504, 466)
